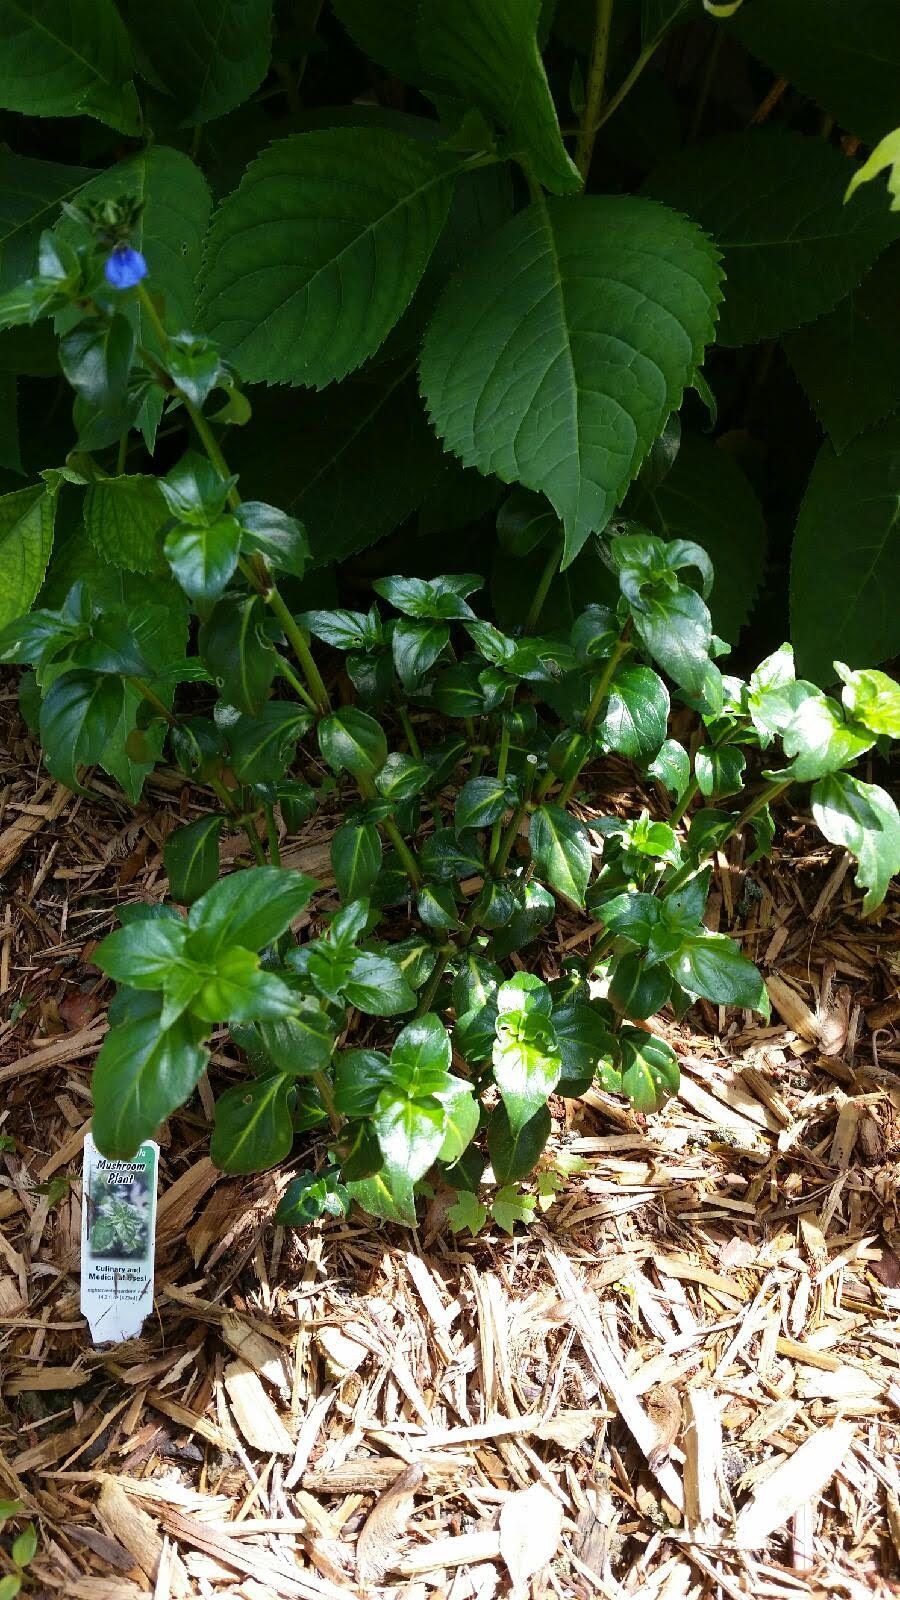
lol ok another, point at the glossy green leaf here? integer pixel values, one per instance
(410, 1132)
(480, 802)
(26, 539)
(251, 907)
(239, 990)
(316, 254)
(637, 989)
(514, 1154)
(273, 534)
(96, 357)
(142, 1074)
(356, 854)
(863, 818)
(191, 858)
(253, 1129)
(402, 777)
(461, 1118)
(261, 747)
(585, 1042)
(310, 1196)
(672, 767)
(818, 739)
(359, 1077)
(235, 651)
(416, 647)
(719, 772)
(143, 953)
(711, 965)
(352, 741)
(491, 57)
(78, 716)
(561, 852)
(674, 627)
(871, 698)
(650, 1074)
(421, 1050)
(527, 1063)
(636, 716)
(524, 378)
(303, 1042)
(203, 559)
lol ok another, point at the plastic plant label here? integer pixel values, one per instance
(118, 1237)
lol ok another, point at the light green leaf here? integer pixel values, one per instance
(377, 986)
(253, 1129)
(26, 539)
(862, 818)
(388, 1195)
(843, 590)
(292, 294)
(124, 519)
(490, 55)
(209, 55)
(143, 1073)
(461, 1115)
(554, 359)
(510, 1205)
(871, 698)
(250, 908)
(817, 740)
(64, 57)
(410, 1132)
(468, 1212)
(561, 851)
(527, 1064)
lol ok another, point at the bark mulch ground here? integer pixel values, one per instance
(684, 1380)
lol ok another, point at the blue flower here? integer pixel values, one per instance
(125, 267)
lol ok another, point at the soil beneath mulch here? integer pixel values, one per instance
(684, 1380)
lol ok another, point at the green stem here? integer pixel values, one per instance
(323, 1084)
(153, 699)
(604, 943)
(540, 594)
(766, 796)
(626, 86)
(415, 748)
(410, 865)
(298, 686)
(596, 82)
(502, 761)
(690, 794)
(228, 805)
(272, 836)
(620, 649)
(257, 574)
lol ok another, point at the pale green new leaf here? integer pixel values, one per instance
(490, 55)
(26, 539)
(317, 253)
(862, 818)
(555, 358)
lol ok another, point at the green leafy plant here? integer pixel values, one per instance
(22, 1550)
(558, 334)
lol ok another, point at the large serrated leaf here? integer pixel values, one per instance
(555, 358)
(63, 57)
(844, 588)
(26, 539)
(31, 193)
(490, 54)
(317, 253)
(209, 55)
(846, 58)
(124, 519)
(774, 203)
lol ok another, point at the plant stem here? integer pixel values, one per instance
(410, 864)
(627, 84)
(415, 748)
(225, 800)
(541, 592)
(502, 761)
(257, 574)
(153, 699)
(620, 649)
(596, 82)
(272, 836)
(323, 1084)
(690, 794)
(767, 796)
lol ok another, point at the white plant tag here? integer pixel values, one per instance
(118, 1239)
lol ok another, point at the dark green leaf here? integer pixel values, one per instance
(262, 746)
(774, 203)
(387, 1195)
(204, 558)
(416, 646)
(124, 519)
(491, 57)
(585, 1043)
(436, 907)
(710, 964)
(675, 629)
(96, 358)
(209, 55)
(359, 1077)
(191, 857)
(273, 534)
(26, 539)
(356, 854)
(253, 1129)
(376, 985)
(352, 741)
(292, 293)
(650, 1074)
(65, 57)
(250, 908)
(636, 717)
(143, 1073)
(402, 777)
(672, 767)
(719, 772)
(78, 716)
(561, 851)
(536, 908)
(480, 802)
(301, 1043)
(514, 1154)
(636, 989)
(234, 649)
(195, 491)
(310, 1196)
(421, 1050)
(583, 398)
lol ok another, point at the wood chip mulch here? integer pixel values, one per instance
(683, 1381)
